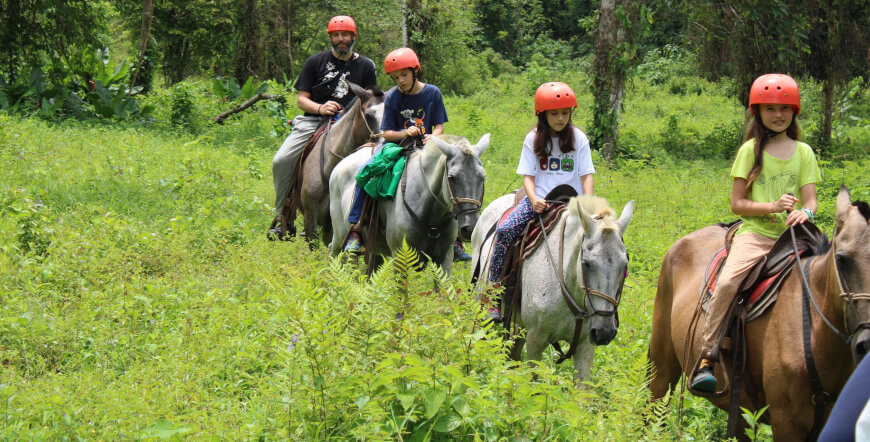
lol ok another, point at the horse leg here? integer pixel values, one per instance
(536, 342)
(517, 348)
(786, 423)
(583, 357)
(664, 364)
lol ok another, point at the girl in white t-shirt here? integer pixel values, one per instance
(554, 153)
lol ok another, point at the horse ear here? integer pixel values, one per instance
(625, 216)
(481, 145)
(447, 148)
(844, 200)
(357, 90)
(585, 218)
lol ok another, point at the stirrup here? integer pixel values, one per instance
(703, 379)
(354, 244)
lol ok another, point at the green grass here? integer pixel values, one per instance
(139, 297)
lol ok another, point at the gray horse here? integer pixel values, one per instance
(439, 195)
(586, 247)
(360, 124)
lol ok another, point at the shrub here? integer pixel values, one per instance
(183, 108)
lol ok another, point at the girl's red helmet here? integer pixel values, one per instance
(554, 95)
(341, 23)
(401, 58)
(775, 88)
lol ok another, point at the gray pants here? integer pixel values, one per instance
(287, 158)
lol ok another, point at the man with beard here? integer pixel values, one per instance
(323, 92)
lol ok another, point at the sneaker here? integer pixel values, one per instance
(354, 244)
(704, 381)
(459, 252)
(493, 314)
(493, 309)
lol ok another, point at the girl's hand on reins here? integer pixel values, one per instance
(538, 205)
(784, 203)
(797, 217)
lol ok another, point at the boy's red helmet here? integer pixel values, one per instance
(401, 58)
(554, 95)
(341, 23)
(775, 88)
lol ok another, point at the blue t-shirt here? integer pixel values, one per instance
(424, 109)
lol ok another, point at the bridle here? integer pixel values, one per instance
(434, 230)
(580, 313)
(821, 397)
(842, 287)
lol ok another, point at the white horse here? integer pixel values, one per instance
(587, 249)
(439, 195)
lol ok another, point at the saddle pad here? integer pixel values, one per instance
(764, 292)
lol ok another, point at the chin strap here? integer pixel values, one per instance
(771, 134)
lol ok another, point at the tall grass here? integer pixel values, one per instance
(140, 298)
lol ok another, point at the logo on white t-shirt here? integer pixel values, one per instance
(556, 164)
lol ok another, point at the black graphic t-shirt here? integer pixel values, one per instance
(322, 67)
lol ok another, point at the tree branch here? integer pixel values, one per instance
(220, 118)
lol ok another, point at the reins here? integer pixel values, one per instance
(373, 137)
(580, 313)
(820, 397)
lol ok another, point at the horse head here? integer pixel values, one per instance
(465, 178)
(852, 265)
(602, 266)
(371, 107)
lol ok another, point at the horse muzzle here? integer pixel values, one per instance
(466, 225)
(602, 329)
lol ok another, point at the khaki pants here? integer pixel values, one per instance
(746, 250)
(287, 158)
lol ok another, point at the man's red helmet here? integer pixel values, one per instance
(401, 58)
(341, 23)
(554, 95)
(775, 88)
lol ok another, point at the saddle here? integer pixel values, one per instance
(370, 223)
(760, 288)
(523, 246)
(758, 291)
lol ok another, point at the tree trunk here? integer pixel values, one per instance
(405, 23)
(250, 57)
(609, 82)
(144, 38)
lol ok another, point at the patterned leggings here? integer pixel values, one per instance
(506, 233)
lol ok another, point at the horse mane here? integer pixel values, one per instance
(597, 207)
(461, 142)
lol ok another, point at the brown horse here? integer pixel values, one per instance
(839, 282)
(360, 124)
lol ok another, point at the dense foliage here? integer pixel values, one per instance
(139, 297)
(134, 270)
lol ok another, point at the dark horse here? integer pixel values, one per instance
(360, 124)
(839, 282)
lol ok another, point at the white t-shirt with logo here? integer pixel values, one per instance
(559, 168)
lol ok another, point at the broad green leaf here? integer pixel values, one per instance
(362, 401)
(217, 86)
(248, 88)
(460, 404)
(163, 429)
(406, 400)
(447, 423)
(434, 399)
